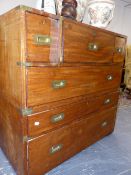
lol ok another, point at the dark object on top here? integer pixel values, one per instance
(69, 2)
(69, 9)
(42, 4)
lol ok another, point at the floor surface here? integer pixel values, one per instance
(110, 156)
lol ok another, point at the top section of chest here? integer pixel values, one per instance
(43, 38)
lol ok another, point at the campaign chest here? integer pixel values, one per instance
(59, 87)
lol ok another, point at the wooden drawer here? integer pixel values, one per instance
(81, 43)
(86, 44)
(39, 123)
(53, 84)
(51, 149)
(120, 49)
(88, 131)
(42, 38)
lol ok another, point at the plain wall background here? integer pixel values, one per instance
(121, 22)
(6, 5)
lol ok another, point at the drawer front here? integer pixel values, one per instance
(120, 49)
(85, 44)
(40, 123)
(42, 38)
(90, 130)
(53, 84)
(51, 149)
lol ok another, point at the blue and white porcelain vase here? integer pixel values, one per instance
(100, 12)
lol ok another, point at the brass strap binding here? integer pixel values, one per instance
(25, 139)
(25, 64)
(25, 8)
(61, 39)
(26, 112)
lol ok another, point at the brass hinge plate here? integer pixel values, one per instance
(25, 8)
(61, 41)
(26, 139)
(26, 112)
(26, 64)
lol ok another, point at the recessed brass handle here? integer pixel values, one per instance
(109, 77)
(119, 49)
(55, 148)
(57, 118)
(107, 101)
(104, 124)
(36, 123)
(42, 39)
(93, 47)
(58, 84)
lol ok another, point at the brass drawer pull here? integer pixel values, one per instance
(36, 123)
(57, 84)
(119, 49)
(42, 39)
(93, 47)
(107, 101)
(109, 77)
(57, 118)
(104, 124)
(56, 148)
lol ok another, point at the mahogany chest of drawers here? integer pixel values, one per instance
(59, 87)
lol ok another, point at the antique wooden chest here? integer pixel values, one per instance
(59, 87)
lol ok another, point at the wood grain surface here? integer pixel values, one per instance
(72, 138)
(79, 81)
(71, 85)
(120, 43)
(43, 122)
(76, 40)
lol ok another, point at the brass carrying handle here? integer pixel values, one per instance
(119, 49)
(104, 124)
(107, 101)
(42, 39)
(55, 148)
(109, 77)
(57, 118)
(93, 47)
(58, 84)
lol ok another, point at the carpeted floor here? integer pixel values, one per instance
(110, 156)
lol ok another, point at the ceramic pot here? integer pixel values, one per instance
(100, 12)
(81, 8)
